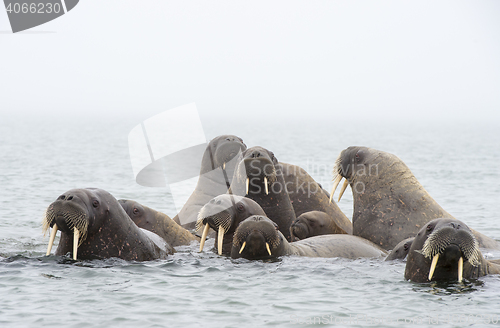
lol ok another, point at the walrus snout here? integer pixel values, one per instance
(217, 216)
(299, 230)
(228, 149)
(445, 245)
(344, 167)
(255, 237)
(68, 215)
(257, 170)
(451, 234)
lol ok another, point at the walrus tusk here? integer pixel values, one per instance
(224, 166)
(268, 249)
(220, 238)
(52, 237)
(344, 187)
(243, 246)
(460, 269)
(204, 236)
(335, 184)
(76, 236)
(433, 266)
(265, 184)
(248, 182)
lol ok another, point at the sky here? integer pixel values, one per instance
(296, 59)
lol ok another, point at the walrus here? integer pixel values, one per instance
(313, 223)
(389, 203)
(94, 226)
(223, 214)
(445, 249)
(400, 251)
(259, 176)
(216, 173)
(258, 237)
(307, 195)
(157, 222)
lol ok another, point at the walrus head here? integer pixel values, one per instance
(134, 210)
(223, 214)
(356, 162)
(400, 251)
(74, 214)
(257, 237)
(257, 168)
(309, 224)
(299, 229)
(443, 250)
(220, 151)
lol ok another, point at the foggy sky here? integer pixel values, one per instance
(338, 59)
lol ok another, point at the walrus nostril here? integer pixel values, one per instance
(70, 198)
(61, 197)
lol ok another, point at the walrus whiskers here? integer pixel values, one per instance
(77, 221)
(74, 220)
(224, 223)
(48, 218)
(440, 239)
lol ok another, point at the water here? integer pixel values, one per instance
(42, 157)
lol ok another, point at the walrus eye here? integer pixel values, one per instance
(95, 203)
(430, 227)
(405, 247)
(136, 211)
(241, 207)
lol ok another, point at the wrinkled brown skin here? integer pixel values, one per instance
(255, 163)
(157, 222)
(212, 181)
(400, 251)
(393, 205)
(313, 223)
(259, 230)
(241, 209)
(417, 266)
(307, 195)
(111, 232)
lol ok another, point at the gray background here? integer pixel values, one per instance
(340, 59)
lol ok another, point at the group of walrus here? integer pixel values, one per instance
(256, 207)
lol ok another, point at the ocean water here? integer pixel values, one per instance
(42, 157)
